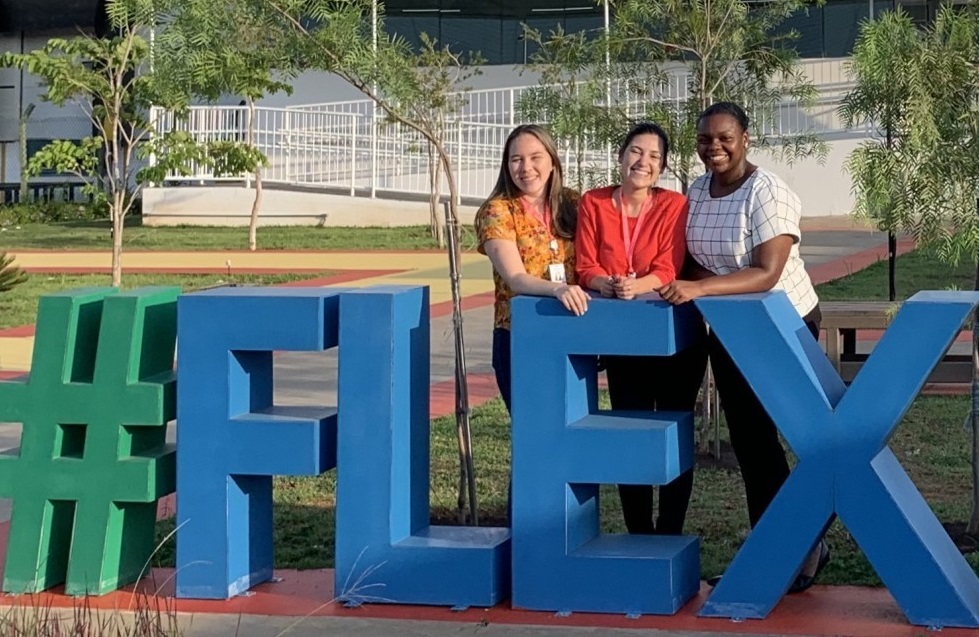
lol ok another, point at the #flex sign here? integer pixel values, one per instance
(93, 458)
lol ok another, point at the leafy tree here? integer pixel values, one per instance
(108, 78)
(443, 72)
(889, 88)
(218, 47)
(924, 182)
(574, 97)
(344, 37)
(10, 275)
(947, 132)
(724, 49)
(735, 51)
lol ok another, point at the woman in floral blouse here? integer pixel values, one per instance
(526, 227)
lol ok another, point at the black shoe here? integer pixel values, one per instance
(803, 582)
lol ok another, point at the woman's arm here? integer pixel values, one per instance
(669, 246)
(590, 272)
(505, 257)
(767, 262)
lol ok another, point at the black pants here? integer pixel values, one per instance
(501, 364)
(754, 437)
(668, 383)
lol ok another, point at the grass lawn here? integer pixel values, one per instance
(915, 271)
(931, 443)
(89, 235)
(19, 306)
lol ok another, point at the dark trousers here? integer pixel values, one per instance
(754, 437)
(666, 383)
(501, 363)
(504, 379)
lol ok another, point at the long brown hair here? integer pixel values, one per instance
(563, 202)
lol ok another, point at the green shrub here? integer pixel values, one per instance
(49, 212)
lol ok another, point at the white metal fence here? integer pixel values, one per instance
(350, 147)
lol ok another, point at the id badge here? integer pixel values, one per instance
(555, 272)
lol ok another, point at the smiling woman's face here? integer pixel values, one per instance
(642, 161)
(721, 143)
(530, 165)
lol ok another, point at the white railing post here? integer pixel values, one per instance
(283, 143)
(305, 143)
(608, 93)
(248, 128)
(458, 171)
(374, 166)
(353, 154)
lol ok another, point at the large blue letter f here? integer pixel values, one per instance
(840, 436)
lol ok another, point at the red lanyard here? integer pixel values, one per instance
(544, 217)
(630, 241)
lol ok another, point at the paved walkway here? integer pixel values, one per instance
(829, 253)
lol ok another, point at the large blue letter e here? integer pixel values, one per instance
(564, 447)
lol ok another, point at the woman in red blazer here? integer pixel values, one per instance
(631, 242)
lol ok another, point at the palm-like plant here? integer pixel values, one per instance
(920, 88)
(10, 275)
(887, 95)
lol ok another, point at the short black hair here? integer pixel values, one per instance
(726, 108)
(647, 128)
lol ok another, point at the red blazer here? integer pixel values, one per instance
(661, 245)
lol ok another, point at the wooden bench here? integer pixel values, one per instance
(842, 319)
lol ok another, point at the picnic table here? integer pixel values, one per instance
(842, 319)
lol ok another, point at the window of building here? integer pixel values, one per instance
(492, 27)
(808, 27)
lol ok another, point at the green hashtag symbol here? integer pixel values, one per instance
(93, 457)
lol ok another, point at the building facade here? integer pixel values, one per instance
(492, 27)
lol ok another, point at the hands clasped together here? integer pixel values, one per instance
(621, 287)
(677, 292)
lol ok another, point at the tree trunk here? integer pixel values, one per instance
(891, 265)
(891, 240)
(467, 486)
(24, 194)
(117, 220)
(436, 225)
(257, 203)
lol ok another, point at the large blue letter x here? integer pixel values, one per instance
(845, 467)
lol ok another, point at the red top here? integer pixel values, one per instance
(660, 246)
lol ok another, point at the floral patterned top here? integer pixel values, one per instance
(506, 219)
